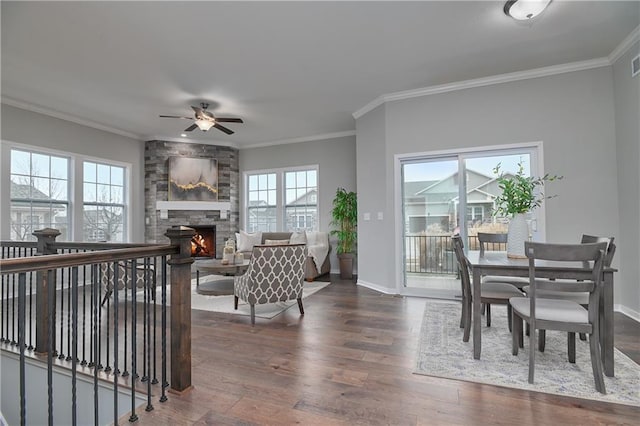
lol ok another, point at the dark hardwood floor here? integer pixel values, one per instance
(349, 360)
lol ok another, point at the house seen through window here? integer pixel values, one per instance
(104, 211)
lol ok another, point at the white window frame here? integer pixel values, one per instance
(280, 194)
(535, 149)
(74, 186)
(97, 204)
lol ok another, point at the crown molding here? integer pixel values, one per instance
(67, 117)
(484, 81)
(625, 45)
(334, 135)
(190, 140)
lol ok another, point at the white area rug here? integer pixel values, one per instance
(224, 304)
(442, 353)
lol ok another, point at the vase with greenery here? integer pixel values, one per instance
(345, 219)
(520, 195)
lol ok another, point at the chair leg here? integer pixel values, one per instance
(488, 305)
(482, 306)
(517, 327)
(253, 315)
(542, 337)
(106, 296)
(509, 319)
(300, 306)
(596, 362)
(463, 313)
(532, 353)
(527, 331)
(467, 321)
(571, 347)
(583, 337)
(521, 333)
(235, 302)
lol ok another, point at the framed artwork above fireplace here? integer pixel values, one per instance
(193, 179)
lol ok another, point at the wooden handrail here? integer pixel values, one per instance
(54, 261)
(96, 246)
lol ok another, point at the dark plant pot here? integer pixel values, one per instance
(346, 266)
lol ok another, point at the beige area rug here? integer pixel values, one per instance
(442, 353)
(224, 304)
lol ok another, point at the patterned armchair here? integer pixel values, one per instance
(275, 274)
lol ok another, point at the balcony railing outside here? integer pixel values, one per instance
(433, 254)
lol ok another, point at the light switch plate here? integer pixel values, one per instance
(367, 216)
(380, 216)
(164, 214)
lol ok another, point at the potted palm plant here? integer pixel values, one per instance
(520, 195)
(345, 219)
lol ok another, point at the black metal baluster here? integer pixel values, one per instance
(13, 306)
(145, 306)
(147, 289)
(164, 384)
(31, 328)
(61, 336)
(114, 284)
(155, 323)
(134, 373)
(84, 314)
(98, 291)
(4, 303)
(95, 275)
(116, 273)
(22, 299)
(51, 289)
(69, 311)
(92, 360)
(74, 347)
(125, 373)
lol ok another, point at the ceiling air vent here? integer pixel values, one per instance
(635, 66)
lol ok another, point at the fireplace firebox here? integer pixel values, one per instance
(203, 243)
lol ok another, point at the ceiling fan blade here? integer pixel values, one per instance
(224, 129)
(176, 116)
(190, 128)
(229, 120)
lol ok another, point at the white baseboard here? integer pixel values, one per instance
(376, 287)
(627, 311)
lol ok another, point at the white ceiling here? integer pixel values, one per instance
(289, 69)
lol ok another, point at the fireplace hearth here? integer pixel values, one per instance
(203, 243)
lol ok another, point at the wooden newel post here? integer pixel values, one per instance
(181, 308)
(44, 312)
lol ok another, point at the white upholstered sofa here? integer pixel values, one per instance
(313, 267)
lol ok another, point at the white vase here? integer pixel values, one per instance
(518, 233)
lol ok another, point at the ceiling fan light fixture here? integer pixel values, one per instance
(204, 125)
(523, 10)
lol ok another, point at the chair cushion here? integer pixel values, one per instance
(552, 310)
(581, 298)
(275, 242)
(517, 281)
(495, 290)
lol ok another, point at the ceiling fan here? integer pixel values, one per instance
(204, 120)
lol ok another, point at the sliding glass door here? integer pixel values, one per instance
(444, 195)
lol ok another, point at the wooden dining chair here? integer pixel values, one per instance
(557, 314)
(490, 293)
(578, 297)
(499, 241)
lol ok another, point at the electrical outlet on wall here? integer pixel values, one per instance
(366, 216)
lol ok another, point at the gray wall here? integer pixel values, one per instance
(38, 130)
(572, 114)
(375, 237)
(336, 159)
(627, 119)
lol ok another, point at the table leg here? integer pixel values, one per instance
(606, 324)
(477, 338)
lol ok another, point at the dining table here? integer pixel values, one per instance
(497, 263)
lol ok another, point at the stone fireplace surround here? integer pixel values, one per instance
(156, 177)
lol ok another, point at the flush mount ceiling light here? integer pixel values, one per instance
(523, 10)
